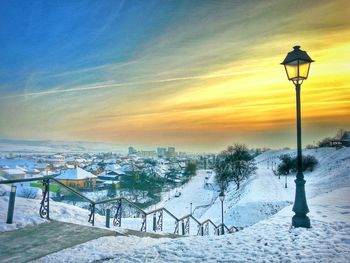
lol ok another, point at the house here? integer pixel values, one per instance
(77, 177)
(15, 173)
(112, 172)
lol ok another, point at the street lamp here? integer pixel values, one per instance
(222, 197)
(297, 66)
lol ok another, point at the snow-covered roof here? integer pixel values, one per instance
(109, 175)
(81, 160)
(41, 165)
(115, 168)
(14, 171)
(47, 173)
(93, 167)
(75, 174)
(110, 161)
(32, 170)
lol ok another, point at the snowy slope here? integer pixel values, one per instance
(263, 194)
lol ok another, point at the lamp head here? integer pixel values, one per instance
(222, 196)
(297, 65)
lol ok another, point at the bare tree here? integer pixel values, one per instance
(234, 164)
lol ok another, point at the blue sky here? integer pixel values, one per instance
(195, 74)
(43, 37)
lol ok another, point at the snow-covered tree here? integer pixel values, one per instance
(234, 164)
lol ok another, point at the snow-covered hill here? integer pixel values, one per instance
(263, 194)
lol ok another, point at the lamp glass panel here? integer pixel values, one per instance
(303, 69)
(292, 70)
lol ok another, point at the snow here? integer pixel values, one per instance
(105, 248)
(262, 206)
(76, 174)
(270, 240)
(193, 192)
(15, 171)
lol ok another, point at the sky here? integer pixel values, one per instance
(197, 75)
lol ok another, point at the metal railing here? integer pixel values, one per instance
(203, 228)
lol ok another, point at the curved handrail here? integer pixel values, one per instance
(209, 221)
(94, 203)
(25, 180)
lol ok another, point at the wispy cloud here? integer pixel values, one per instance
(115, 85)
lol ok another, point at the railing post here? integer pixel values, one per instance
(160, 221)
(154, 222)
(117, 221)
(44, 210)
(176, 227)
(11, 206)
(182, 227)
(144, 223)
(187, 226)
(48, 198)
(206, 230)
(108, 217)
(92, 214)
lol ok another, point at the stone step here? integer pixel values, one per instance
(33, 242)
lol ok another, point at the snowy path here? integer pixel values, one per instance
(192, 192)
(265, 186)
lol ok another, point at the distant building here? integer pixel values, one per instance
(77, 177)
(161, 152)
(171, 152)
(132, 150)
(148, 153)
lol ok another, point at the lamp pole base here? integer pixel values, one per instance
(301, 221)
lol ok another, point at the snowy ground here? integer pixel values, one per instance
(270, 240)
(262, 203)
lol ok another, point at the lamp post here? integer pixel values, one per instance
(297, 65)
(285, 184)
(11, 206)
(222, 197)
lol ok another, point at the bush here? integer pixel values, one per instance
(286, 165)
(289, 164)
(309, 163)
